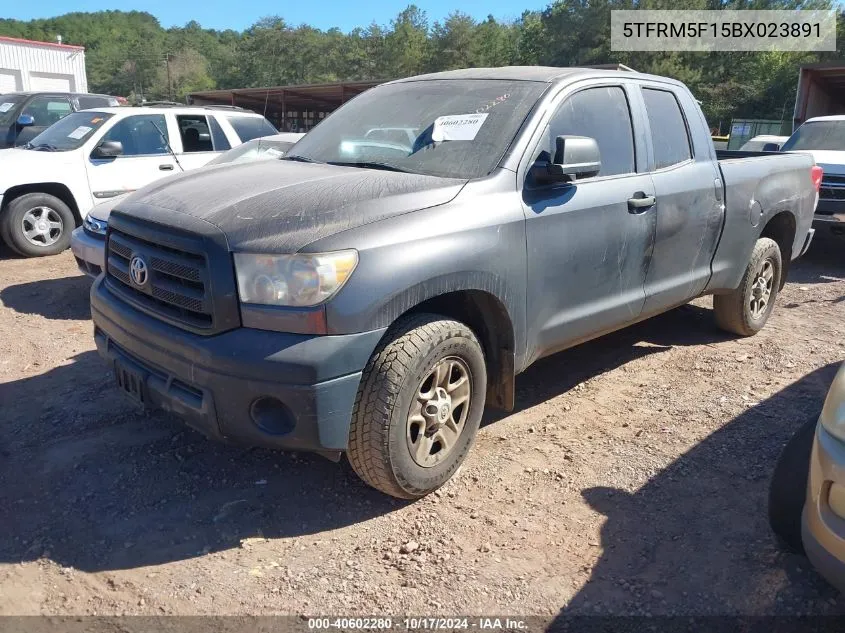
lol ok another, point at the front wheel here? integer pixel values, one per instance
(418, 407)
(746, 310)
(38, 224)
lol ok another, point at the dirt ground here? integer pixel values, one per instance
(631, 479)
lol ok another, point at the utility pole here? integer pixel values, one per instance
(169, 82)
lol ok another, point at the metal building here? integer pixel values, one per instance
(49, 66)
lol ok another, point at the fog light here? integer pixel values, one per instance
(272, 416)
(836, 500)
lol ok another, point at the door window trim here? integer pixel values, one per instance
(653, 162)
(641, 162)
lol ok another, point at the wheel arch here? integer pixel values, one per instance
(57, 189)
(781, 228)
(488, 317)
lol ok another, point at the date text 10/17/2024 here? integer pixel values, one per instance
(417, 624)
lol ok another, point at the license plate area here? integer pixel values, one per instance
(131, 382)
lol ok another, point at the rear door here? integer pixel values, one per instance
(200, 138)
(588, 245)
(145, 156)
(688, 193)
(45, 110)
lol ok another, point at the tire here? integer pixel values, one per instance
(390, 446)
(734, 311)
(55, 235)
(788, 488)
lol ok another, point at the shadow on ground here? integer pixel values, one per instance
(688, 528)
(64, 298)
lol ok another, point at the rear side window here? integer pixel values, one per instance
(195, 133)
(669, 135)
(250, 127)
(221, 143)
(602, 114)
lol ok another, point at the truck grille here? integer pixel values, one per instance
(163, 281)
(833, 188)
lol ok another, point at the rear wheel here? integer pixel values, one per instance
(746, 310)
(38, 224)
(418, 407)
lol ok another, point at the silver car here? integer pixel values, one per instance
(88, 241)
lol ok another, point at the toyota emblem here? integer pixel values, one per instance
(138, 270)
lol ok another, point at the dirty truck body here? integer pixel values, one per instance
(473, 253)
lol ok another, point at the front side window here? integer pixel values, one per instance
(669, 136)
(601, 114)
(140, 135)
(47, 110)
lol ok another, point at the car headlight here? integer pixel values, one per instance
(833, 412)
(292, 280)
(93, 225)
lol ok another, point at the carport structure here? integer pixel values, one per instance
(290, 108)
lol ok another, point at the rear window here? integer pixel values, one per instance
(669, 135)
(250, 127)
(86, 102)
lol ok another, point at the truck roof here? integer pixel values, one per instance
(543, 74)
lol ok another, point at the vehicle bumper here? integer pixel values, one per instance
(823, 529)
(261, 388)
(89, 251)
(830, 216)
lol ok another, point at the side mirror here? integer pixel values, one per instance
(771, 147)
(25, 120)
(575, 157)
(108, 149)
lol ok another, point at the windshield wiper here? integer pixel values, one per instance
(368, 165)
(44, 147)
(299, 159)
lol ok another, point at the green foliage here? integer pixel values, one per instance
(129, 53)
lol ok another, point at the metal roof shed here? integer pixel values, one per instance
(292, 108)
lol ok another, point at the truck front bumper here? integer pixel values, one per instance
(823, 519)
(256, 387)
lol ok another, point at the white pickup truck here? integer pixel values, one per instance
(824, 138)
(48, 186)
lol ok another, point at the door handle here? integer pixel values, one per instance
(166, 167)
(640, 202)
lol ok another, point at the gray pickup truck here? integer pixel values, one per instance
(372, 291)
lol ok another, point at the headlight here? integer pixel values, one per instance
(292, 280)
(833, 413)
(94, 225)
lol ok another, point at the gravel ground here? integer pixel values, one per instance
(631, 479)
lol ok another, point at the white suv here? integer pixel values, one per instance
(48, 186)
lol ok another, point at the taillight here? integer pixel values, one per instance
(816, 174)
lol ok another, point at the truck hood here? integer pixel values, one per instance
(281, 206)
(102, 210)
(833, 162)
(22, 166)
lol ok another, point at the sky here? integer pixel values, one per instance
(229, 14)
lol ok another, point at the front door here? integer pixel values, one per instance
(145, 157)
(589, 241)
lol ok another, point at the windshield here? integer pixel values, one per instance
(451, 128)
(256, 149)
(8, 108)
(70, 132)
(821, 135)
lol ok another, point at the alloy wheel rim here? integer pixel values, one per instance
(761, 289)
(42, 226)
(438, 414)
